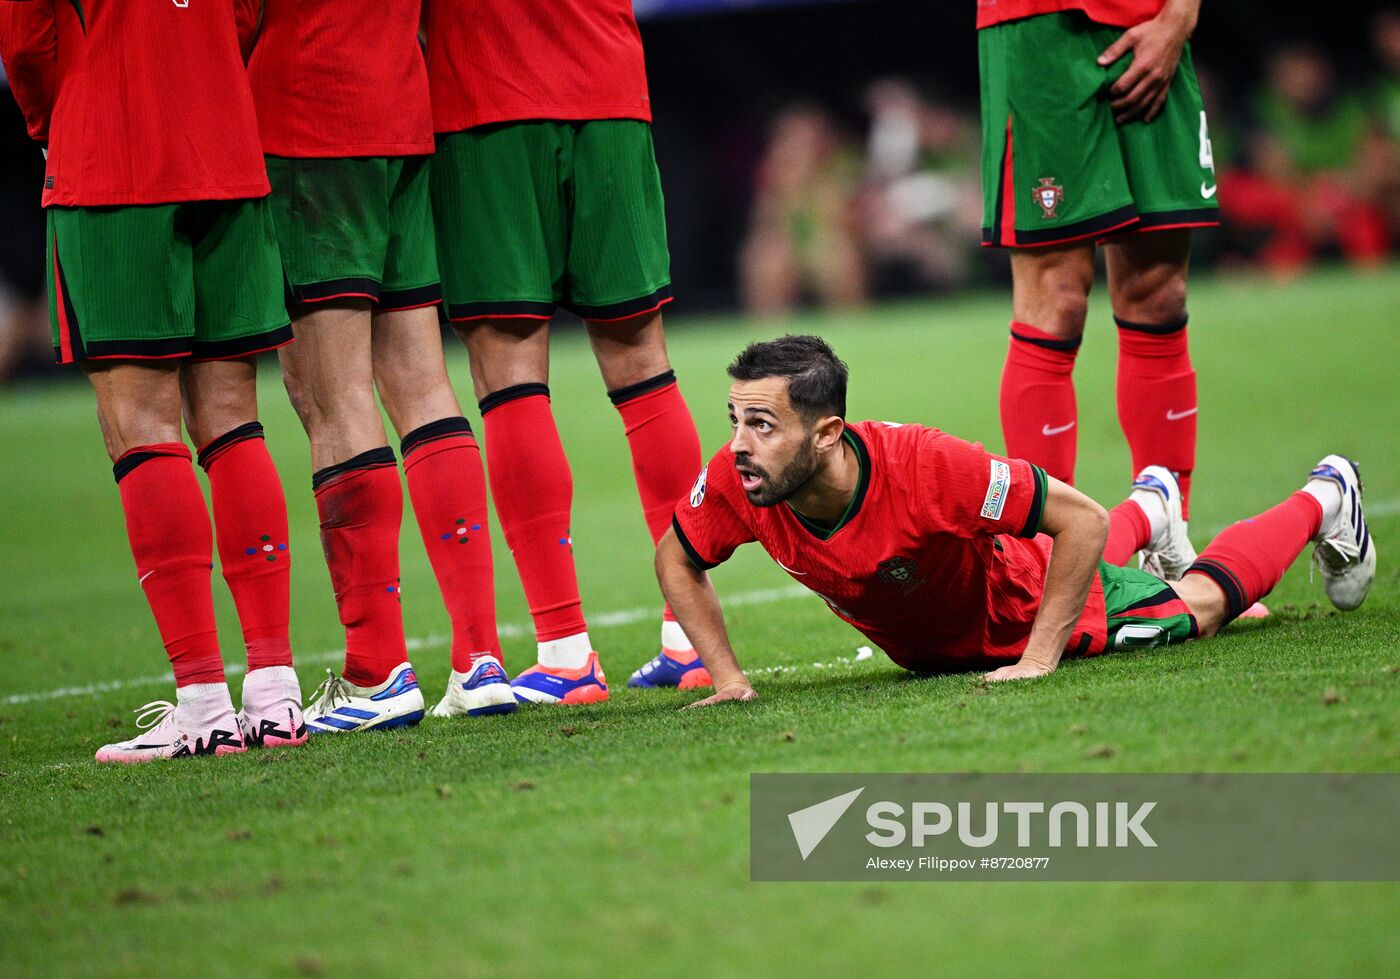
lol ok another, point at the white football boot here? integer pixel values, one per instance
(1345, 553)
(271, 715)
(198, 725)
(484, 689)
(1169, 552)
(339, 707)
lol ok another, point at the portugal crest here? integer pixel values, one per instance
(1048, 195)
(900, 571)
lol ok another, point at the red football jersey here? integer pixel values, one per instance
(1114, 13)
(141, 102)
(335, 78)
(938, 561)
(508, 60)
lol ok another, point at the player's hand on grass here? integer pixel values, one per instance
(1020, 670)
(738, 691)
(1156, 47)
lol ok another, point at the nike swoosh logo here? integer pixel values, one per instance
(800, 574)
(1207, 192)
(142, 579)
(1176, 416)
(1047, 430)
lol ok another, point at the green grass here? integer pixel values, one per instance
(614, 838)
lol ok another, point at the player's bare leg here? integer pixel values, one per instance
(220, 400)
(1050, 299)
(446, 482)
(138, 407)
(329, 377)
(534, 488)
(665, 460)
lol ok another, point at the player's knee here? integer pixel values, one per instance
(1145, 300)
(1063, 310)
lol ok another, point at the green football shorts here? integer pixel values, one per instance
(1143, 611)
(144, 282)
(535, 215)
(356, 228)
(1056, 167)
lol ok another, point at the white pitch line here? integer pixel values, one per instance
(509, 630)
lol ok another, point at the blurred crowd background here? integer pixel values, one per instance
(826, 152)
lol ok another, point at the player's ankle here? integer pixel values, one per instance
(567, 653)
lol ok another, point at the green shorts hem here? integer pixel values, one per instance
(1143, 612)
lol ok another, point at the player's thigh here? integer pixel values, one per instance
(239, 303)
(619, 265)
(1052, 167)
(331, 217)
(120, 283)
(410, 279)
(1171, 168)
(501, 220)
(1147, 275)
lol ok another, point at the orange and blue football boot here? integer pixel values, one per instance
(553, 685)
(669, 670)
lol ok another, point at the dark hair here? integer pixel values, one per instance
(816, 376)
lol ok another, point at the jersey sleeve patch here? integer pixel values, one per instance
(998, 486)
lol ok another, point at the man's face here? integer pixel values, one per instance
(773, 450)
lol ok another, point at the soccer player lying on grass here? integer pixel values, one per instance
(951, 558)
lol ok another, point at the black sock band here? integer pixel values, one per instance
(373, 459)
(1236, 600)
(1067, 346)
(431, 432)
(1158, 328)
(123, 467)
(624, 394)
(513, 393)
(252, 430)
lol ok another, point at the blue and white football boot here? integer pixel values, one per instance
(669, 670)
(484, 689)
(338, 707)
(1169, 552)
(1345, 552)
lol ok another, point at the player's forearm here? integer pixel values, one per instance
(1074, 560)
(696, 606)
(1184, 13)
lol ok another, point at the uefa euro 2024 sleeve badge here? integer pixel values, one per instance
(1048, 195)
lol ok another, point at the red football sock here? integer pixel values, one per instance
(250, 526)
(534, 491)
(1248, 558)
(361, 506)
(1157, 399)
(1128, 532)
(1038, 412)
(665, 448)
(448, 487)
(171, 540)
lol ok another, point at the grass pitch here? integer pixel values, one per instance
(614, 838)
